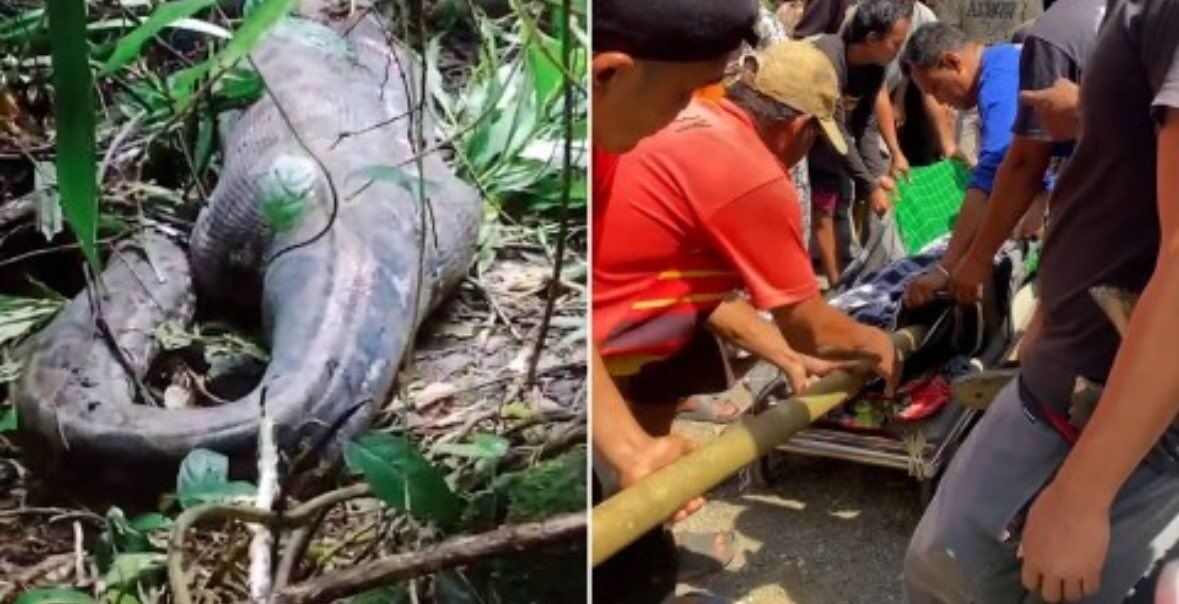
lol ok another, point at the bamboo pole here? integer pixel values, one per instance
(623, 518)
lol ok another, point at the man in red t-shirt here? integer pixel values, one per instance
(649, 59)
(705, 208)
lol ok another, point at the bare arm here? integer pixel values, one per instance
(624, 437)
(621, 441)
(738, 322)
(814, 327)
(1019, 179)
(1057, 107)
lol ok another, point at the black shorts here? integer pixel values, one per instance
(697, 368)
(646, 571)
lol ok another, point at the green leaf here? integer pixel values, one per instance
(150, 523)
(401, 176)
(120, 597)
(123, 536)
(8, 421)
(482, 446)
(21, 27)
(546, 75)
(129, 46)
(401, 477)
(551, 487)
(239, 86)
(203, 151)
(54, 595)
(129, 570)
(73, 107)
(204, 478)
(383, 595)
(260, 18)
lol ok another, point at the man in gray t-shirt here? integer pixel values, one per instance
(1101, 496)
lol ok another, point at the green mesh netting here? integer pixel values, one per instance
(928, 202)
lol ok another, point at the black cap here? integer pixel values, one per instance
(673, 30)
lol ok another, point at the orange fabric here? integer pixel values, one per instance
(712, 92)
(695, 212)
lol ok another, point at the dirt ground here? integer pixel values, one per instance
(826, 532)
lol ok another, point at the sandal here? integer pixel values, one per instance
(702, 554)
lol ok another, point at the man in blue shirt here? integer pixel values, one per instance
(1056, 47)
(956, 71)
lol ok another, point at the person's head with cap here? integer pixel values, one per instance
(649, 57)
(944, 64)
(790, 91)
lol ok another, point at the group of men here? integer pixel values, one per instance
(697, 227)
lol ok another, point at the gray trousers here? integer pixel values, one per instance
(962, 552)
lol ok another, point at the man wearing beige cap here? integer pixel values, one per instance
(704, 209)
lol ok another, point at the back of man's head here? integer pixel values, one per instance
(673, 30)
(650, 55)
(875, 17)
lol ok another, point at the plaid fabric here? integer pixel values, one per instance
(875, 297)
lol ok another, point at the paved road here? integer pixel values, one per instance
(828, 532)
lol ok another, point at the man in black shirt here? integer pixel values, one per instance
(1101, 491)
(870, 40)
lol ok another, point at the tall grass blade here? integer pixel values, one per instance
(129, 47)
(73, 104)
(266, 14)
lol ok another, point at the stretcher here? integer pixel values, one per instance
(921, 448)
(987, 336)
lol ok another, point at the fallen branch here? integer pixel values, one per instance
(27, 578)
(298, 516)
(509, 376)
(496, 309)
(56, 514)
(261, 554)
(454, 552)
(292, 554)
